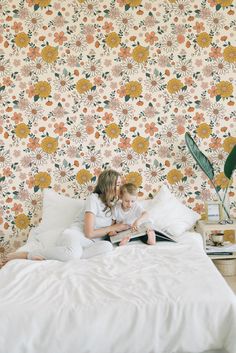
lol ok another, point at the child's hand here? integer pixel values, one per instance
(134, 226)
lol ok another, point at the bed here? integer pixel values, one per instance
(167, 298)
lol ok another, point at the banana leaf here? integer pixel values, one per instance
(230, 163)
(199, 157)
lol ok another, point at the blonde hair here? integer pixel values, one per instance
(129, 188)
(106, 187)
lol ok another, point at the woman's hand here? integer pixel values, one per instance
(118, 227)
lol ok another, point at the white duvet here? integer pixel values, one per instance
(167, 298)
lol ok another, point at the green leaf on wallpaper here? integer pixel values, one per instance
(2, 88)
(199, 157)
(36, 188)
(230, 163)
(127, 98)
(36, 7)
(218, 7)
(36, 98)
(218, 97)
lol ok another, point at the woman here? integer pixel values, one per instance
(83, 237)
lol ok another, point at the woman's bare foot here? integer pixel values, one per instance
(37, 258)
(151, 237)
(124, 241)
(16, 255)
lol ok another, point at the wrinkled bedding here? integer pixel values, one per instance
(167, 298)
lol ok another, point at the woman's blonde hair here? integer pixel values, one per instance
(106, 187)
(129, 188)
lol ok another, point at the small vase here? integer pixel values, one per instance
(225, 209)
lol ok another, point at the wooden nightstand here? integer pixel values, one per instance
(204, 228)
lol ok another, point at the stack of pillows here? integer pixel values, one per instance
(165, 210)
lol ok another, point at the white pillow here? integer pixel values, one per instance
(58, 213)
(169, 214)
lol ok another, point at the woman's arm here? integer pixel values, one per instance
(91, 233)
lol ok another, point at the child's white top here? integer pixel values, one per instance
(127, 217)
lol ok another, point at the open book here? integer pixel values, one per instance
(142, 230)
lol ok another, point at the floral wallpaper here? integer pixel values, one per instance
(93, 84)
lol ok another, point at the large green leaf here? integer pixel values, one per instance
(230, 163)
(199, 157)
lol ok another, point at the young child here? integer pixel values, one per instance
(127, 210)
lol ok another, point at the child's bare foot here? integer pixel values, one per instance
(124, 241)
(151, 237)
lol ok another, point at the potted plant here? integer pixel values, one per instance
(207, 168)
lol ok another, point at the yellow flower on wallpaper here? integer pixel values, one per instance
(174, 176)
(224, 89)
(203, 130)
(174, 85)
(133, 3)
(42, 89)
(133, 89)
(22, 221)
(42, 3)
(42, 180)
(229, 143)
(49, 144)
(224, 3)
(113, 130)
(140, 144)
(204, 40)
(140, 54)
(83, 176)
(22, 40)
(113, 40)
(134, 178)
(49, 54)
(83, 85)
(22, 130)
(222, 180)
(229, 54)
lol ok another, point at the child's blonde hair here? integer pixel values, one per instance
(106, 187)
(129, 188)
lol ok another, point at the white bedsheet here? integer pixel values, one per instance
(167, 298)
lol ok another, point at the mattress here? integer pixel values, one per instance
(167, 298)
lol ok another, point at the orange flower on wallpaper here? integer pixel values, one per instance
(113, 40)
(204, 40)
(49, 144)
(22, 130)
(22, 221)
(140, 144)
(33, 143)
(83, 85)
(42, 89)
(151, 37)
(60, 128)
(203, 130)
(60, 37)
(83, 176)
(113, 131)
(224, 89)
(33, 53)
(222, 181)
(229, 54)
(151, 129)
(124, 53)
(133, 89)
(140, 54)
(49, 54)
(229, 143)
(42, 180)
(22, 40)
(174, 176)
(174, 85)
(134, 178)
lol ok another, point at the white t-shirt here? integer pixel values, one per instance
(95, 205)
(127, 217)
